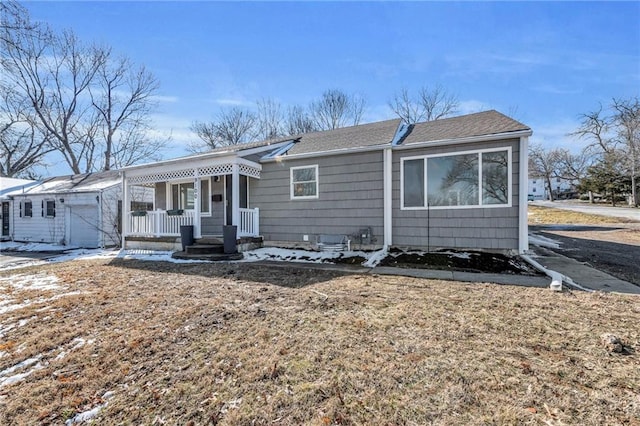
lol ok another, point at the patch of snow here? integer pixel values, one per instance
(375, 258)
(6, 379)
(40, 281)
(541, 241)
(154, 256)
(88, 415)
(292, 255)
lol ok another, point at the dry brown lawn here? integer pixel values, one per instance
(539, 215)
(239, 344)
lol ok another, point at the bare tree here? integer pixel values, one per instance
(299, 121)
(430, 104)
(545, 164)
(336, 109)
(270, 119)
(626, 120)
(231, 127)
(594, 129)
(123, 100)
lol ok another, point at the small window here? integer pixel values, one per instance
(26, 209)
(50, 208)
(304, 182)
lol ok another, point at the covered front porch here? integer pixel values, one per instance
(207, 193)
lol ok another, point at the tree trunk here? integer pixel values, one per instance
(549, 189)
(591, 197)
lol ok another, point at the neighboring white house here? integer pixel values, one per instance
(559, 186)
(78, 211)
(7, 186)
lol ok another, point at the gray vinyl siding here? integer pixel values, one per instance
(350, 198)
(494, 228)
(161, 196)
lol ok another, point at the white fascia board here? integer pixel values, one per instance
(327, 153)
(178, 164)
(471, 139)
(523, 203)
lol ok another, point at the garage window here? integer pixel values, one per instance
(26, 209)
(50, 208)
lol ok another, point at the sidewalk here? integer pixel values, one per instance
(582, 274)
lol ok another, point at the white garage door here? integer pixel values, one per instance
(83, 228)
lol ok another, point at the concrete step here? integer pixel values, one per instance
(205, 249)
(210, 257)
(209, 240)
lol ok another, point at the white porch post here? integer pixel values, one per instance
(196, 206)
(125, 208)
(387, 165)
(523, 227)
(235, 195)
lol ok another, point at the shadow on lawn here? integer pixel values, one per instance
(281, 275)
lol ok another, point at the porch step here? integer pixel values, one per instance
(205, 249)
(209, 241)
(211, 256)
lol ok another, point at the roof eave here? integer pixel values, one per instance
(468, 139)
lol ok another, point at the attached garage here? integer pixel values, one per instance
(84, 231)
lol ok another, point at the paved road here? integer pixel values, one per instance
(624, 212)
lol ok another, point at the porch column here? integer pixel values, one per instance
(235, 195)
(196, 206)
(125, 208)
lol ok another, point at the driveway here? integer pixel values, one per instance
(602, 210)
(12, 259)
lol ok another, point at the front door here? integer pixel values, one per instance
(228, 190)
(5, 219)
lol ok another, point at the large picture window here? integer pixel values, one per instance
(469, 179)
(304, 182)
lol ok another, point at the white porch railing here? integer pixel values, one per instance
(249, 223)
(158, 223)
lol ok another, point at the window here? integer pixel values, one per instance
(466, 179)
(50, 208)
(26, 209)
(183, 196)
(304, 182)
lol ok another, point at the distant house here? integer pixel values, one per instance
(560, 187)
(451, 183)
(8, 186)
(79, 210)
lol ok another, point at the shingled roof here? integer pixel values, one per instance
(75, 183)
(478, 124)
(363, 135)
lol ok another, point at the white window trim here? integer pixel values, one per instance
(169, 194)
(46, 210)
(317, 181)
(22, 211)
(448, 154)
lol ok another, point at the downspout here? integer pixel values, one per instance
(387, 159)
(523, 178)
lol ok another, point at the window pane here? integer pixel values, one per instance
(204, 195)
(28, 209)
(413, 183)
(304, 175)
(495, 178)
(304, 189)
(186, 196)
(453, 180)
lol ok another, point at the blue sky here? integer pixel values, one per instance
(544, 63)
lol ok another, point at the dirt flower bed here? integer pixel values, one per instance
(454, 260)
(134, 342)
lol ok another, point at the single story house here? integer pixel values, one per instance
(8, 186)
(450, 183)
(78, 210)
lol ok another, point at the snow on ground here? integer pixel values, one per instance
(291, 255)
(154, 256)
(541, 241)
(88, 415)
(41, 281)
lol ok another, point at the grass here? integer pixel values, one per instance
(245, 344)
(539, 215)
